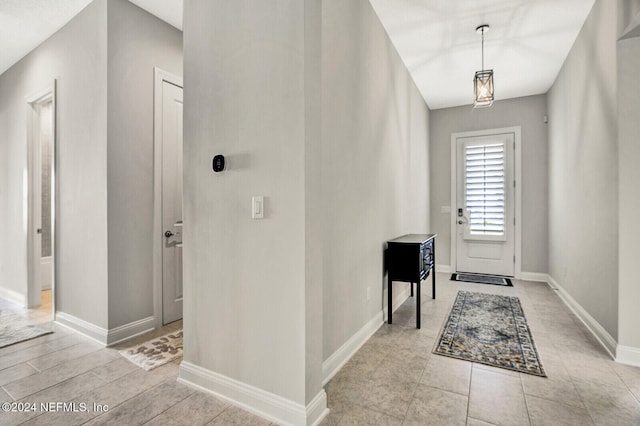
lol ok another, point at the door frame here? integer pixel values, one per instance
(517, 173)
(159, 77)
(33, 296)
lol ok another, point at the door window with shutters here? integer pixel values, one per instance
(484, 190)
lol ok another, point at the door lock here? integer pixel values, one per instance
(168, 234)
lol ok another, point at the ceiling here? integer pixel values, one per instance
(24, 24)
(526, 45)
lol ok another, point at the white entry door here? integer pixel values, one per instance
(485, 215)
(171, 202)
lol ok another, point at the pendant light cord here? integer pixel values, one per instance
(482, 49)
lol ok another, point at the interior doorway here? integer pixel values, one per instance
(168, 98)
(41, 180)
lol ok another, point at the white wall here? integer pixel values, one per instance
(629, 178)
(375, 163)
(527, 112)
(77, 57)
(244, 279)
(138, 42)
(583, 170)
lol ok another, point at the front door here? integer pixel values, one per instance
(485, 215)
(171, 202)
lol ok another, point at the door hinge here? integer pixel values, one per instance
(514, 183)
(514, 221)
(514, 259)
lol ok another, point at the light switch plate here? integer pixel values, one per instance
(257, 207)
(445, 209)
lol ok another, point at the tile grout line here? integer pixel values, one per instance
(466, 420)
(524, 396)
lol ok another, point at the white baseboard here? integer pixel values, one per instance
(257, 401)
(605, 339)
(628, 355)
(534, 276)
(339, 358)
(127, 331)
(13, 297)
(83, 327)
(445, 269)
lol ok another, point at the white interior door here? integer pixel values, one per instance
(171, 202)
(485, 215)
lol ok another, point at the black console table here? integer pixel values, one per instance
(411, 258)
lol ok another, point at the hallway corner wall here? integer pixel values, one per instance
(583, 170)
(76, 57)
(137, 42)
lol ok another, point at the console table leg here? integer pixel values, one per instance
(433, 271)
(418, 304)
(389, 300)
(411, 284)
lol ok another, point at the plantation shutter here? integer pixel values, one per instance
(485, 189)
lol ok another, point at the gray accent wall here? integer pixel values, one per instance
(314, 110)
(629, 199)
(138, 42)
(76, 56)
(528, 113)
(103, 61)
(244, 279)
(375, 164)
(583, 169)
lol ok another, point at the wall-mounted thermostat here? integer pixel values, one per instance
(218, 163)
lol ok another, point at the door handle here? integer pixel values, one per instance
(168, 234)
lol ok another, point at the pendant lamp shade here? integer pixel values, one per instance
(483, 81)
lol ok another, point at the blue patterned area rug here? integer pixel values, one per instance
(489, 329)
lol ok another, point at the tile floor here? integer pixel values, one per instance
(393, 379)
(66, 367)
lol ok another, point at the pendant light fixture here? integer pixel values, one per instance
(483, 81)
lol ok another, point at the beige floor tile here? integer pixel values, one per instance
(630, 376)
(29, 353)
(554, 389)
(115, 369)
(543, 412)
(436, 407)
(234, 416)
(608, 404)
(45, 379)
(391, 398)
(447, 374)
(145, 406)
(357, 415)
(16, 372)
(197, 409)
(476, 422)
(59, 356)
(497, 398)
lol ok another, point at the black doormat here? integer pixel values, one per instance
(482, 279)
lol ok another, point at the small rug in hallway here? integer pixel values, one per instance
(482, 279)
(489, 329)
(155, 352)
(15, 329)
